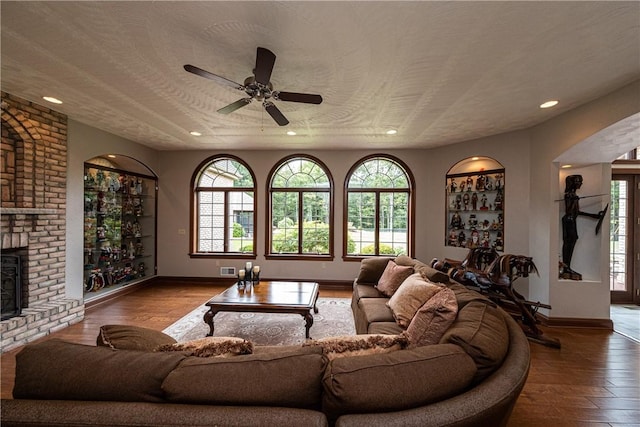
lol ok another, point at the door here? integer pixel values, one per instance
(625, 239)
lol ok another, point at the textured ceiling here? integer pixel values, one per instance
(438, 72)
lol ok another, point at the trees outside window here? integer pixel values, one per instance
(224, 208)
(300, 206)
(378, 207)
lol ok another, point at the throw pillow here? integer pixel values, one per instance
(371, 269)
(359, 345)
(211, 347)
(392, 278)
(433, 319)
(410, 296)
(128, 337)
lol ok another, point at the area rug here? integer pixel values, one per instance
(334, 318)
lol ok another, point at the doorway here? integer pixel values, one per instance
(625, 238)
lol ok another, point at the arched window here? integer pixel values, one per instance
(300, 207)
(224, 208)
(378, 208)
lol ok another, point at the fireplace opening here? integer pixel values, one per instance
(11, 284)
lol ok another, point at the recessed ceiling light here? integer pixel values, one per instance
(291, 133)
(52, 99)
(549, 104)
(392, 132)
(195, 133)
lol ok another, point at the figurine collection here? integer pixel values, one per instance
(113, 207)
(475, 206)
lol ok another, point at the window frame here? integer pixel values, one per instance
(194, 207)
(378, 191)
(300, 192)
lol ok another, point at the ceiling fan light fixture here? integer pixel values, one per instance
(549, 104)
(258, 87)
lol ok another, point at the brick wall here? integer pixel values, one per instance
(33, 165)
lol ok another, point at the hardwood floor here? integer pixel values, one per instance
(592, 381)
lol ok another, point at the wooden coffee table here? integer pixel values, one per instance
(267, 297)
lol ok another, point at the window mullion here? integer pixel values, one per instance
(377, 224)
(300, 220)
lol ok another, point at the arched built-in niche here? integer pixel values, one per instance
(120, 205)
(475, 190)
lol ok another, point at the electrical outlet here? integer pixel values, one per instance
(228, 271)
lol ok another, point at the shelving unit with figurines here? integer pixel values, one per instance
(475, 209)
(119, 227)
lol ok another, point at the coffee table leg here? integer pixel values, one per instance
(308, 323)
(208, 319)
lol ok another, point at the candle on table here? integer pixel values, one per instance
(241, 274)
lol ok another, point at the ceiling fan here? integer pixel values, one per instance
(258, 87)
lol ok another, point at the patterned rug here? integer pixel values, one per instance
(334, 318)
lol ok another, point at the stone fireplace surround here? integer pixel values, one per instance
(33, 165)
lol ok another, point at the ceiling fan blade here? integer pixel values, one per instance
(275, 113)
(207, 75)
(307, 98)
(236, 105)
(265, 59)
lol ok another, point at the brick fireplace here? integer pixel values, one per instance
(33, 164)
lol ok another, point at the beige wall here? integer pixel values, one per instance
(532, 217)
(573, 299)
(428, 166)
(84, 143)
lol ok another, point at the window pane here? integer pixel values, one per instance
(393, 223)
(284, 222)
(618, 235)
(361, 223)
(240, 220)
(378, 173)
(315, 228)
(300, 173)
(219, 206)
(226, 173)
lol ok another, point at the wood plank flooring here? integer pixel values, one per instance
(592, 381)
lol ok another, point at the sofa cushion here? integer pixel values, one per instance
(376, 310)
(465, 295)
(392, 278)
(211, 347)
(427, 272)
(395, 381)
(366, 291)
(359, 345)
(388, 328)
(433, 318)
(55, 369)
(481, 331)
(371, 269)
(410, 296)
(287, 378)
(129, 337)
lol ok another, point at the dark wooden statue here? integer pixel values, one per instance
(570, 227)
